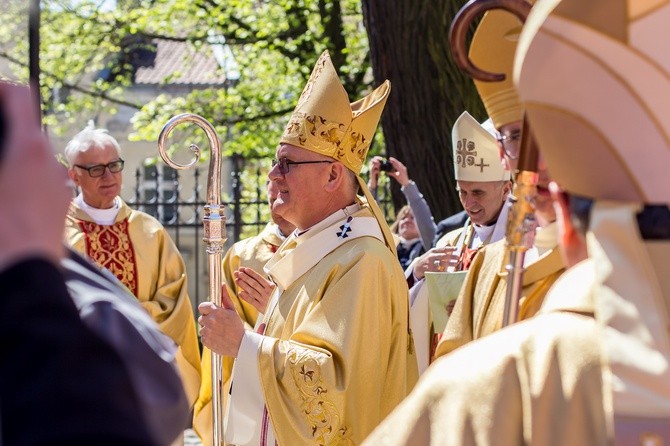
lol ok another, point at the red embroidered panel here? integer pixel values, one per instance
(468, 256)
(110, 247)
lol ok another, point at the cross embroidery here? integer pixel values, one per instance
(465, 152)
(481, 165)
(346, 227)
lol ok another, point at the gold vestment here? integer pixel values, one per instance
(537, 382)
(253, 253)
(336, 355)
(480, 305)
(137, 249)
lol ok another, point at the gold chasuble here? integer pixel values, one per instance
(335, 356)
(140, 253)
(512, 387)
(252, 253)
(480, 305)
(593, 366)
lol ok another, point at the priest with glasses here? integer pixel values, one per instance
(131, 244)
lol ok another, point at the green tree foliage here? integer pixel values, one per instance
(275, 43)
(409, 45)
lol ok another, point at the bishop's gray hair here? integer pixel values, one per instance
(86, 139)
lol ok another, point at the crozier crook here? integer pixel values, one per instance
(214, 222)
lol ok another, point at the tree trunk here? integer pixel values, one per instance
(409, 46)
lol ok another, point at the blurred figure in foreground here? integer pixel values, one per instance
(593, 366)
(67, 375)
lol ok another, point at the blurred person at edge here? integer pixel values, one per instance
(593, 366)
(65, 328)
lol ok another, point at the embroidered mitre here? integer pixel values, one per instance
(476, 153)
(325, 122)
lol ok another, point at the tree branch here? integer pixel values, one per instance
(102, 95)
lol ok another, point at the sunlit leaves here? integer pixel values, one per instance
(274, 43)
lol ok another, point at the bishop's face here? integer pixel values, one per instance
(483, 201)
(510, 142)
(99, 192)
(285, 226)
(302, 199)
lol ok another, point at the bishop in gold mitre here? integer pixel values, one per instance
(332, 354)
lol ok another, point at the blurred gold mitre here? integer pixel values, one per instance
(595, 78)
(492, 49)
(325, 122)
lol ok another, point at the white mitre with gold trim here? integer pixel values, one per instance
(476, 152)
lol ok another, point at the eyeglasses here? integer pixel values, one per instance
(284, 164)
(510, 143)
(99, 169)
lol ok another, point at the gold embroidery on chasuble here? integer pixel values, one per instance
(320, 411)
(110, 247)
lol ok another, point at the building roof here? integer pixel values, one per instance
(181, 63)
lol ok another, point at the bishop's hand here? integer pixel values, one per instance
(221, 329)
(254, 288)
(435, 260)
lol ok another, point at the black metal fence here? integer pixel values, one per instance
(177, 199)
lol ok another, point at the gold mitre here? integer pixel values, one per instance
(595, 78)
(325, 122)
(476, 152)
(492, 49)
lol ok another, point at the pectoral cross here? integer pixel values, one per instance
(346, 227)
